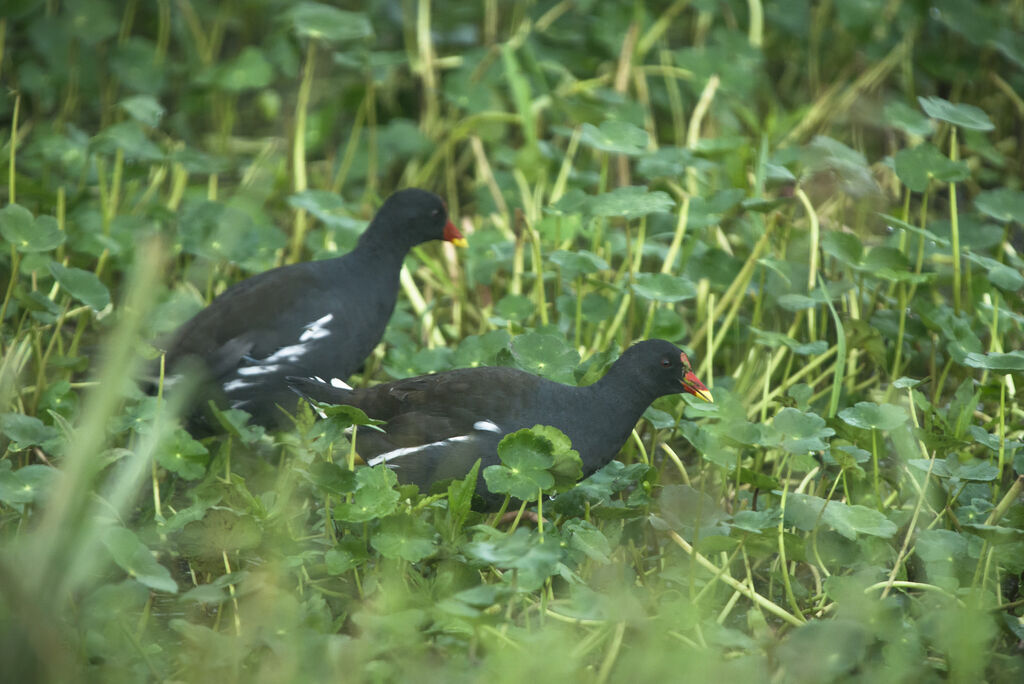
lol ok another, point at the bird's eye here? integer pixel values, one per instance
(665, 363)
(436, 212)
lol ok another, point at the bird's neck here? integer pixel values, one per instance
(619, 392)
(376, 253)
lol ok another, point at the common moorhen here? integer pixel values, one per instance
(439, 425)
(318, 318)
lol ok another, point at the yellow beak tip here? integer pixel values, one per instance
(460, 242)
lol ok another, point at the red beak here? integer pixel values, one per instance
(452, 235)
(692, 384)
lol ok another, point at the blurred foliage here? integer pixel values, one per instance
(822, 201)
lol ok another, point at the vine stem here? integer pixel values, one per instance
(748, 592)
(299, 182)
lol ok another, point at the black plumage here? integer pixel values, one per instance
(439, 425)
(318, 318)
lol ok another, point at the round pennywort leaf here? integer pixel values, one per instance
(871, 416)
(962, 115)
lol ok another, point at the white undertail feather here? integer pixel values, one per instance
(486, 426)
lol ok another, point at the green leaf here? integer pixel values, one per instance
(885, 258)
(145, 109)
(917, 166)
(597, 308)
(534, 560)
(567, 468)
(996, 534)
(25, 431)
(348, 554)
(796, 302)
(534, 459)
(137, 560)
(481, 350)
(249, 71)
(825, 650)
(599, 487)
(460, 496)
(941, 551)
(978, 471)
(803, 432)
(974, 470)
(327, 207)
(26, 484)
(28, 234)
(848, 456)
(404, 537)
(82, 285)
(756, 521)
(131, 139)
(514, 307)
(579, 263)
(894, 222)
(1003, 204)
(331, 478)
(1000, 275)
(587, 539)
(804, 510)
(619, 137)
(220, 530)
(843, 165)
(546, 355)
(1006, 278)
(901, 115)
(632, 201)
(525, 460)
(962, 115)
(348, 416)
(691, 512)
(322, 22)
(663, 287)
(843, 246)
(871, 416)
(1013, 362)
(666, 162)
(775, 339)
(183, 455)
(659, 420)
(236, 423)
(375, 495)
(937, 467)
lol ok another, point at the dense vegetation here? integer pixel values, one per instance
(821, 200)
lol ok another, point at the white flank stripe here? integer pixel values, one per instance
(405, 451)
(486, 426)
(261, 369)
(340, 384)
(236, 385)
(292, 352)
(315, 329)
